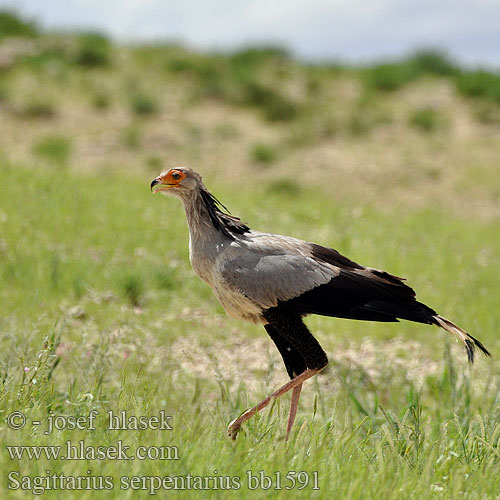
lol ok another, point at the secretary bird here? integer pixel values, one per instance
(277, 280)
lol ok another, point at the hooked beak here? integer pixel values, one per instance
(162, 186)
(154, 183)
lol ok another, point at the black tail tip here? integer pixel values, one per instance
(470, 346)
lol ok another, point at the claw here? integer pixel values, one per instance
(234, 426)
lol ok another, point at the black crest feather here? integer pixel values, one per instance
(223, 221)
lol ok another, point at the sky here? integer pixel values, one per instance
(337, 30)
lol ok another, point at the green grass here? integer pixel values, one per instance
(97, 291)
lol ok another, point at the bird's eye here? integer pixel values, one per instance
(176, 176)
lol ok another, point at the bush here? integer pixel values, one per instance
(93, 50)
(425, 119)
(133, 289)
(101, 101)
(144, 105)
(284, 187)
(274, 106)
(255, 57)
(482, 84)
(263, 153)
(209, 72)
(53, 54)
(38, 109)
(390, 76)
(55, 148)
(194, 64)
(433, 62)
(12, 25)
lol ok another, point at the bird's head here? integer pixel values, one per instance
(179, 181)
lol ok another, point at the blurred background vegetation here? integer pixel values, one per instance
(421, 129)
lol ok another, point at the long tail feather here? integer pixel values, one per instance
(468, 340)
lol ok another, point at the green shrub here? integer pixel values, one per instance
(54, 148)
(101, 101)
(433, 62)
(425, 119)
(55, 56)
(263, 153)
(133, 289)
(480, 83)
(12, 25)
(284, 187)
(186, 63)
(37, 108)
(143, 105)
(390, 76)
(208, 71)
(166, 279)
(93, 50)
(274, 106)
(236, 79)
(252, 58)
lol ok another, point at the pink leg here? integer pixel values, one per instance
(293, 409)
(235, 425)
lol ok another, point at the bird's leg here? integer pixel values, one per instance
(293, 409)
(300, 350)
(235, 425)
(294, 364)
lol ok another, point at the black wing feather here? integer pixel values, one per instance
(360, 293)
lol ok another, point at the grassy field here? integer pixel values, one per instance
(393, 165)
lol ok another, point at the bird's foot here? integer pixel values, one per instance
(233, 429)
(234, 426)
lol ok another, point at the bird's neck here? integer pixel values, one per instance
(205, 240)
(206, 220)
(198, 218)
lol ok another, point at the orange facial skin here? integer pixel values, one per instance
(169, 180)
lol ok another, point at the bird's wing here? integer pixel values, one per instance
(276, 270)
(359, 292)
(269, 268)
